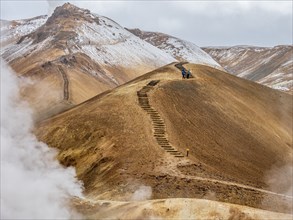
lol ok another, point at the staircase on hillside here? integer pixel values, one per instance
(159, 126)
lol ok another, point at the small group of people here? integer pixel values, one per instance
(185, 74)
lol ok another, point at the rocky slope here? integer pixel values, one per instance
(130, 141)
(174, 209)
(272, 67)
(180, 49)
(73, 55)
(11, 31)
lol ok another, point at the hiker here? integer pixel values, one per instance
(188, 74)
(183, 73)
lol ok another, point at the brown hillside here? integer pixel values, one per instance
(136, 135)
(74, 55)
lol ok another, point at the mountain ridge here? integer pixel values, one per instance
(270, 66)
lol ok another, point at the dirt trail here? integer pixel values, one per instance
(180, 66)
(66, 84)
(229, 183)
(159, 126)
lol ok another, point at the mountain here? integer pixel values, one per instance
(11, 31)
(180, 49)
(74, 55)
(131, 143)
(272, 67)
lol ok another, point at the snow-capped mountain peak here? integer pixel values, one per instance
(77, 30)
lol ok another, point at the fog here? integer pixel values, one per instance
(33, 183)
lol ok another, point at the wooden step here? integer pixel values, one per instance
(162, 138)
(173, 151)
(163, 142)
(179, 156)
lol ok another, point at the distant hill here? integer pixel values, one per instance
(270, 66)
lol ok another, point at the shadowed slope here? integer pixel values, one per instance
(236, 131)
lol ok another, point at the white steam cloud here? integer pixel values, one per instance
(280, 179)
(33, 184)
(142, 193)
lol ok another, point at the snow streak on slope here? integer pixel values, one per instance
(13, 30)
(179, 49)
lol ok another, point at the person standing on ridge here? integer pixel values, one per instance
(188, 74)
(183, 73)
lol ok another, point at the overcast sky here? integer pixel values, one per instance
(205, 23)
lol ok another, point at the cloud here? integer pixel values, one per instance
(33, 184)
(207, 22)
(142, 193)
(261, 23)
(53, 4)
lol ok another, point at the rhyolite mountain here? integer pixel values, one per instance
(270, 66)
(74, 55)
(180, 49)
